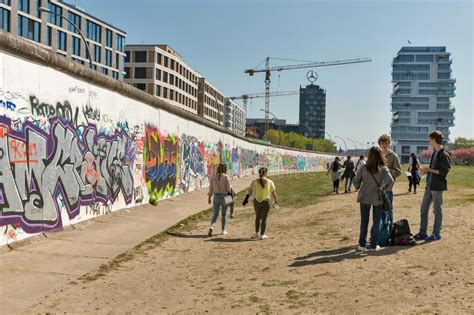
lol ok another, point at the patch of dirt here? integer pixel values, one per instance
(308, 265)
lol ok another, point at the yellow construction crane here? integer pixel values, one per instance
(246, 97)
(269, 69)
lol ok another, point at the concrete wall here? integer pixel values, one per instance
(71, 149)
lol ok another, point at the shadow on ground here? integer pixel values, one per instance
(345, 253)
(182, 235)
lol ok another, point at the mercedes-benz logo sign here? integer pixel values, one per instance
(312, 76)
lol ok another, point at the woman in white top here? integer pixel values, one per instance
(219, 188)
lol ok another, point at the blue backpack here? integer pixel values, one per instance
(386, 226)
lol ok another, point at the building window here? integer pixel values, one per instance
(158, 74)
(7, 2)
(108, 58)
(140, 56)
(140, 73)
(105, 71)
(55, 18)
(120, 43)
(158, 58)
(172, 64)
(165, 76)
(29, 28)
(165, 92)
(49, 35)
(158, 90)
(166, 62)
(141, 86)
(5, 19)
(94, 31)
(171, 79)
(406, 58)
(117, 61)
(97, 56)
(127, 56)
(76, 45)
(115, 75)
(444, 75)
(79, 61)
(108, 38)
(76, 20)
(127, 73)
(62, 40)
(24, 5)
(424, 58)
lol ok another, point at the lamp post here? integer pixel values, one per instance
(279, 127)
(355, 146)
(43, 9)
(345, 144)
(309, 132)
(328, 136)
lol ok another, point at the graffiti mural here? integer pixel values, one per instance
(160, 156)
(38, 167)
(192, 171)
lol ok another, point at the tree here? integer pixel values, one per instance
(298, 141)
(462, 143)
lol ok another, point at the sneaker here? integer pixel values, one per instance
(256, 235)
(263, 237)
(433, 237)
(231, 216)
(224, 232)
(375, 249)
(420, 237)
(362, 249)
(210, 232)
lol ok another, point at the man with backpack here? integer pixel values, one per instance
(436, 183)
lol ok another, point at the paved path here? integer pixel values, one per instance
(35, 269)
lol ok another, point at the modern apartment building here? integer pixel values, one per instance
(422, 89)
(106, 42)
(312, 111)
(210, 102)
(160, 71)
(234, 117)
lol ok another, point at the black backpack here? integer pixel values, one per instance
(401, 234)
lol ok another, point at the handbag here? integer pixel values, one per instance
(387, 204)
(228, 199)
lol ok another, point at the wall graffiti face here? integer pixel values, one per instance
(160, 157)
(74, 150)
(38, 169)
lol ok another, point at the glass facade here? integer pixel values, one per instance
(108, 38)
(55, 18)
(76, 20)
(29, 29)
(120, 43)
(312, 114)
(423, 74)
(94, 31)
(97, 54)
(5, 19)
(62, 41)
(24, 6)
(108, 58)
(76, 45)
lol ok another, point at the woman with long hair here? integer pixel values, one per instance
(335, 170)
(370, 179)
(414, 179)
(262, 189)
(219, 188)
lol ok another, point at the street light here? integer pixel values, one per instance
(328, 136)
(43, 9)
(309, 132)
(345, 144)
(279, 127)
(355, 146)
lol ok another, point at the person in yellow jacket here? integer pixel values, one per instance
(262, 189)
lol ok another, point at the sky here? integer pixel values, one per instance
(221, 38)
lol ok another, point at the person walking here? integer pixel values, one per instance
(360, 162)
(348, 173)
(393, 164)
(436, 184)
(370, 179)
(219, 188)
(335, 170)
(262, 189)
(414, 179)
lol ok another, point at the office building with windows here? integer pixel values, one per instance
(160, 71)
(234, 117)
(210, 102)
(312, 111)
(421, 98)
(106, 42)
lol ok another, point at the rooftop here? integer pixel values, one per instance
(423, 49)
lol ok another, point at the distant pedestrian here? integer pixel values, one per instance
(370, 178)
(219, 188)
(231, 206)
(262, 189)
(360, 162)
(414, 179)
(436, 183)
(335, 170)
(348, 173)
(393, 164)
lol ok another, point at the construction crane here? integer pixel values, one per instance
(246, 97)
(269, 69)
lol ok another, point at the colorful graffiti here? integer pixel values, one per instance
(38, 168)
(160, 156)
(192, 173)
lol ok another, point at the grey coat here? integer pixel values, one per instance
(368, 189)
(393, 163)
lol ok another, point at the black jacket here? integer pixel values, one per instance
(443, 164)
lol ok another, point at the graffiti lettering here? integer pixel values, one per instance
(91, 113)
(8, 105)
(62, 110)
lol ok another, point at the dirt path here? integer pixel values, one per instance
(307, 265)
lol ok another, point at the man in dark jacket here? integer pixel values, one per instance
(436, 183)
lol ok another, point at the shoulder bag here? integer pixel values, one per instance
(387, 204)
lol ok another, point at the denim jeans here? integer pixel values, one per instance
(390, 196)
(435, 197)
(348, 184)
(364, 223)
(217, 204)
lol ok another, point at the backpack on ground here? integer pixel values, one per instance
(401, 234)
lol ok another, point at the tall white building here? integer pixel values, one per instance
(422, 89)
(234, 117)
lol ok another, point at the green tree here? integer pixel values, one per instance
(297, 141)
(462, 143)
